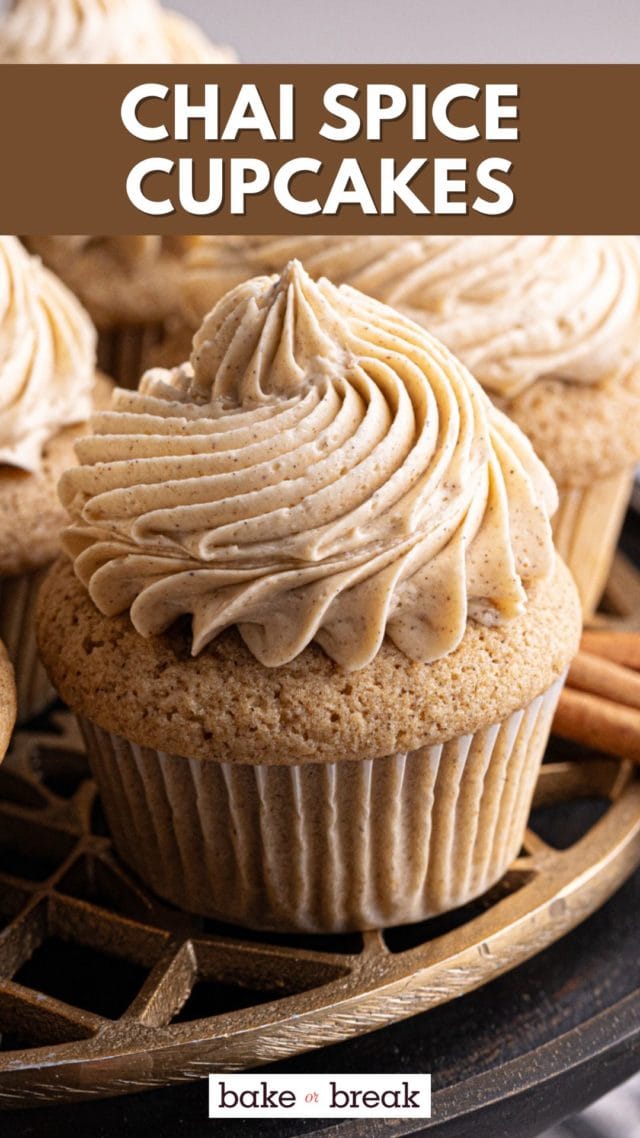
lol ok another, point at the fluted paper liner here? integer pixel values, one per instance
(18, 599)
(123, 352)
(326, 847)
(586, 529)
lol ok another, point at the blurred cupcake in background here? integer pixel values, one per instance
(127, 284)
(48, 385)
(550, 326)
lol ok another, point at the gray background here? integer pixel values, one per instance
(423, 31)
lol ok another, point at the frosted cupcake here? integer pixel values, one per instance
(127, 284)
(549, 325)
(311, 617)
(47, 386)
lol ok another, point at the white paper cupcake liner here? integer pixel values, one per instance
(123, 352)
(326, 847)
(586, 530)
(18, 598)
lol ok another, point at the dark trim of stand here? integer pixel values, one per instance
(529, 1093)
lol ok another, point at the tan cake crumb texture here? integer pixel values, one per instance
(31, 515)
(224, 705)
(581, 432)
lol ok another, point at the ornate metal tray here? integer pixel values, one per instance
(106, 991)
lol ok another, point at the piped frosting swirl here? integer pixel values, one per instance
(323, 470)
(514, 309)
(103, 31)
(47, 357)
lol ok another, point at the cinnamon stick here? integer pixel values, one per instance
(621, 647)
(599, 723)
(602, 676)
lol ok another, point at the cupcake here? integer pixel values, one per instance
(127, 284)
(311, 618)
(48, 381)
(550, 326)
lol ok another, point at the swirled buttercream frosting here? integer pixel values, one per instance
(102, 31)
(514, 309)
(323, 469)
(47, 357)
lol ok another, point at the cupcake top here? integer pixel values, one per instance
(47, 358)
(322, 470)
(102, 31)
(224, 703)
(515, 309)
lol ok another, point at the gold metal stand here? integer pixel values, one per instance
(165, 997)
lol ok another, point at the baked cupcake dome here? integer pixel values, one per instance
(310, 710)
(47, 368)
(548, 325)
(315, 579)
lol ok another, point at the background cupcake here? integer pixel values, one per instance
(549, 325)
(47, 388)
(313, 624)
(127, 284)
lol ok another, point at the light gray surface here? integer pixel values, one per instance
(424, 31)
(421, 31)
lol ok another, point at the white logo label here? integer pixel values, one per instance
(320, 1096)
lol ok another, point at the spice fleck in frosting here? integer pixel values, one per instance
(47, 358)
(323, 469)
(102, 31)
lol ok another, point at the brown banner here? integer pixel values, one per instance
(69, 163)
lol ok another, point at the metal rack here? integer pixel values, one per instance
(105, 991)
